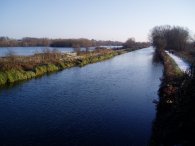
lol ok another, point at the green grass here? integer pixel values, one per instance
(30, 74)
(40, 70)
(15, 75)
(52, 68)
(171, 68)
(94, 59)
(3, 78)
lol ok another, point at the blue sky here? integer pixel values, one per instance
(93, 19)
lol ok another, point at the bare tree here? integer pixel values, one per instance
(167, 37)
(130, 43)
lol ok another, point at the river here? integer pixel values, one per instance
(106, 103)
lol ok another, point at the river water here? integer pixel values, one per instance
(106, 103)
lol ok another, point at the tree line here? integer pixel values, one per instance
(31, 42)
(75, 43)
(133, 45)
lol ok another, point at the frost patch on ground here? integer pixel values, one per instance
(180, 62)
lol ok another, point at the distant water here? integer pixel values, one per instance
(26, 51)
(106, 103)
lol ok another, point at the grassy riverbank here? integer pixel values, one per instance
(17, 68)
(175, 121)
(171, 81)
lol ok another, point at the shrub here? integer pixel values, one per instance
(40, 70)
(15, 75)
(51, 68)
(3, 78)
